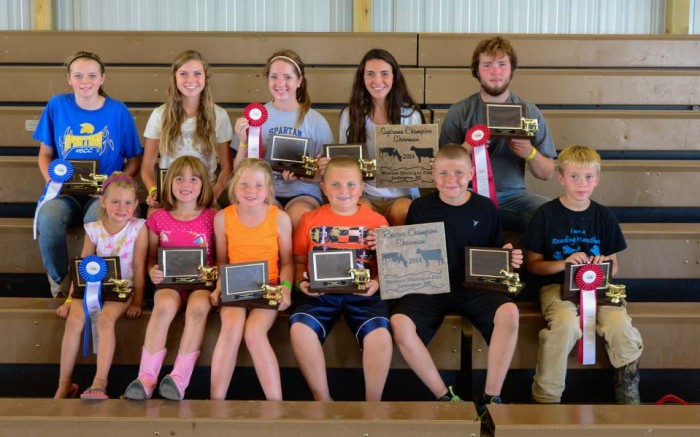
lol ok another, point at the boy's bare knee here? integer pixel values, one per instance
(508, 316)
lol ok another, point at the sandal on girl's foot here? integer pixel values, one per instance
(94, 393)
(73, 390)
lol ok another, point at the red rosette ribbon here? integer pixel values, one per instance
(478, 135)
(589, 277)
(482, 181)
(256, 113)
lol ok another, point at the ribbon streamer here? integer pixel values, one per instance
(588, 278)
(93, 269)
(482, 180)
(60, 171)
(257, 116)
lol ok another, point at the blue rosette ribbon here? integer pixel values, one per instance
(60, 171)
(93, 269)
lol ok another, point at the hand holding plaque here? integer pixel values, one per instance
(335, 271)
(182, 268)
(489, 268)
(578, 277)
(506, 120)
(290, 153)
(246, 284)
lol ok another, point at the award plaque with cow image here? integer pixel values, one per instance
(404, 154)
(412, 259)
(290, 153)
(336, 271)
(488, 268)
(247, 284)
(85, 179)
(596, 277)
(507, 120)
(357, 151)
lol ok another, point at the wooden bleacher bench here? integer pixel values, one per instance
(669, 332)
(246, 418)
(37, 333)
(594, 420)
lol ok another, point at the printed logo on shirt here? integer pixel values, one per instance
(575, 240)
(285, 130)
(86, 141)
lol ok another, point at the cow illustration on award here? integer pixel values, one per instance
(412, 260)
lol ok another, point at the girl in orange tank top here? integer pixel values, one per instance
(251, 229)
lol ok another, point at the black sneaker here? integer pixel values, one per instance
(481, 408)
(450, 396)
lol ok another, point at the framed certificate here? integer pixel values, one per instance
(109, 293)
(488, 268)
(181, 267)
(246, 284)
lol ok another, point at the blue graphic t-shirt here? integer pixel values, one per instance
(556, 232)
(107, 135)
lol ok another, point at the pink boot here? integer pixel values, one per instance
(173, 385)
(142, 387)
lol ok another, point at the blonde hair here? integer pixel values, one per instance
(206, 196)
(292, 58)
(174, 114)
(343, 161)
(253, 164)
(578, 155)
(454, 152)
(117, 179)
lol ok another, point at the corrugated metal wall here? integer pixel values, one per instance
(483, 16)
(205, 15)
(520, 16)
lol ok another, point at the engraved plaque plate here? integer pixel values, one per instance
(572, 292)
(85, 178)
(404, 153)
(287, 154)
(330, 271)
(243, 284)
(507, 120)
(180, 266)
(488, 268)
(113, 272)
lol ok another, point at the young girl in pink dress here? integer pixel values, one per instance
(185, 220)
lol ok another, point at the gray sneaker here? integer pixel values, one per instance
(627, 384)
(59, 290)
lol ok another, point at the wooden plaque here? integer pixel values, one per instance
(330, 271)
(488, 268)
(287, 153)
(86, 180)
(160, 182)
(412, 259)
(114, 271)
(404, 153)
(572, 292)
(242, 284)
(507, 120)
(180, 266)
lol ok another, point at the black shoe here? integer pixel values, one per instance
(627, 384)
(450, 396)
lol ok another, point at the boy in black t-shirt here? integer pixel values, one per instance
(576, 229)
(470, 220)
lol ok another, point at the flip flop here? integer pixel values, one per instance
(94, 393)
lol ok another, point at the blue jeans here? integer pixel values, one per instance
(517, 208)
(55, 217)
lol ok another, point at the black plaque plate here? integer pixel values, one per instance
(572, 292)
(287, 154)
(507, 120)
(85, 180)
(180, 266)
(114, 271)
(329, 271)
(488, 268)
(242, 284)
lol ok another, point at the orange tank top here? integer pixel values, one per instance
(253, 244)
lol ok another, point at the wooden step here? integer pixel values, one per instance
(595, 420)
(117, 418)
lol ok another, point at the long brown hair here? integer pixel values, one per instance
(174, 114)
(86, 55)
(292, 58)
(361, 105)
